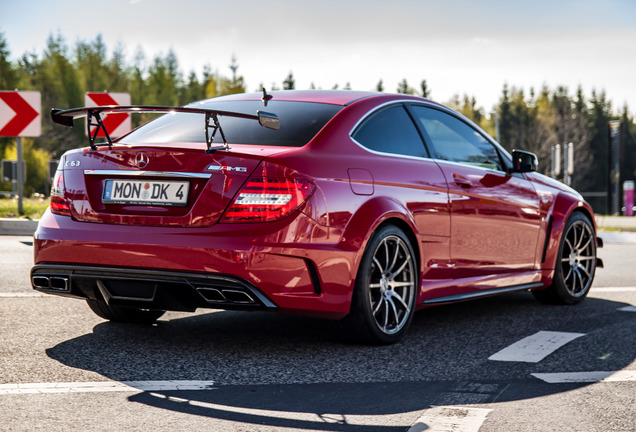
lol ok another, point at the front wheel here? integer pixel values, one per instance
(124, 314)
(383, 300)
(576, 263)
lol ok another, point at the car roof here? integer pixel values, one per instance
(333, 97)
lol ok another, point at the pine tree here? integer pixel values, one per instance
(425, 90)
(403, 87)
(289, 83)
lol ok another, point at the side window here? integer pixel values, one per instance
(453, 140)
(391, 131)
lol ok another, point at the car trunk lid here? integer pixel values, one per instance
(165, 185)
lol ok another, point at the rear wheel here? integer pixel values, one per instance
(576, 263)
(124, 314)
(383, 300)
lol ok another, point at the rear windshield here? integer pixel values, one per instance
(299, 122)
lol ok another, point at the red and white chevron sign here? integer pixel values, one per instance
(20, 114)
(117, 124)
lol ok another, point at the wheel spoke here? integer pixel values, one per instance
(568, 275)
(395, 257)
(386, 314)
(400, 284)
(377, 263)
(386, 255)
(587, 243)
(375, 285)
(395, 312)
(577, 275)
(404, 264)
(401, 301)
(377, 308)
(580, 267)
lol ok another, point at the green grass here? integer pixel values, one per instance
(33, 207)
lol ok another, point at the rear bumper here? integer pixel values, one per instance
(291, 266)
(148, 289)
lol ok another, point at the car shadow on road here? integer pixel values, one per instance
(290, 371)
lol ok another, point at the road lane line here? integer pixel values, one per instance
(628, 309)
(451, 419)
(535, 348)
(612, 289)
(587, 377)
(104, 386)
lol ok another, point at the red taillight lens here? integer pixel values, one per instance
(267, 199)
(59, 204)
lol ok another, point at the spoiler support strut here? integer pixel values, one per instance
(99, 124)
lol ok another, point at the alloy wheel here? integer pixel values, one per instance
(578, 258)
(392, 284)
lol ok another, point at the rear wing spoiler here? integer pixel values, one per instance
(94, 118)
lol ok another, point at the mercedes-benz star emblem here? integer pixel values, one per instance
(142, 160)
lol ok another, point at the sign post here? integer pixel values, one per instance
(20, 117)
(628, 190)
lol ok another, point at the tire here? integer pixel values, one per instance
(383, 301)
(124, 314)
(575, 264)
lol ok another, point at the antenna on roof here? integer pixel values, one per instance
(266, 97)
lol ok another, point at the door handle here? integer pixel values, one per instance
(462, 181)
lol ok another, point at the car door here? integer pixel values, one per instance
(495, 218)
(405, 173)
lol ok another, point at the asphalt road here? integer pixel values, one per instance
(64, 369)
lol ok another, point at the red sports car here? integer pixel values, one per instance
(359, 207)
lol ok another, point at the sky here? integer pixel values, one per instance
(458, 46)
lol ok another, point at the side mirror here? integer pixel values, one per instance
(268, 120)
(523, 161)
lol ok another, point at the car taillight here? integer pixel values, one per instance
(59, 205)
(267, 199)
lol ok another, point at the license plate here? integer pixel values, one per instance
(146, 192)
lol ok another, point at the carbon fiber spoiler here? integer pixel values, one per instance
(94, 118)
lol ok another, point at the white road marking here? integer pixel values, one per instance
(104, 386)
(613, 289)
(535, 348)
(23, 295)
(628, 309)
(587, 377)
(451, 419)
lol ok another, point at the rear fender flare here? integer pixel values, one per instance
(371, 215)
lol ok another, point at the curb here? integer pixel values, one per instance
(616, 222)
(22, 227)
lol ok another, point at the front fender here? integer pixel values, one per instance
(564, 205)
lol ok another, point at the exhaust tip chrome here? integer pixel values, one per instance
(211, 295)
(226, 296)
(52, 283)
(40, 282)
(235, 296)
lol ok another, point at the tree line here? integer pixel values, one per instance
(533, 119)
